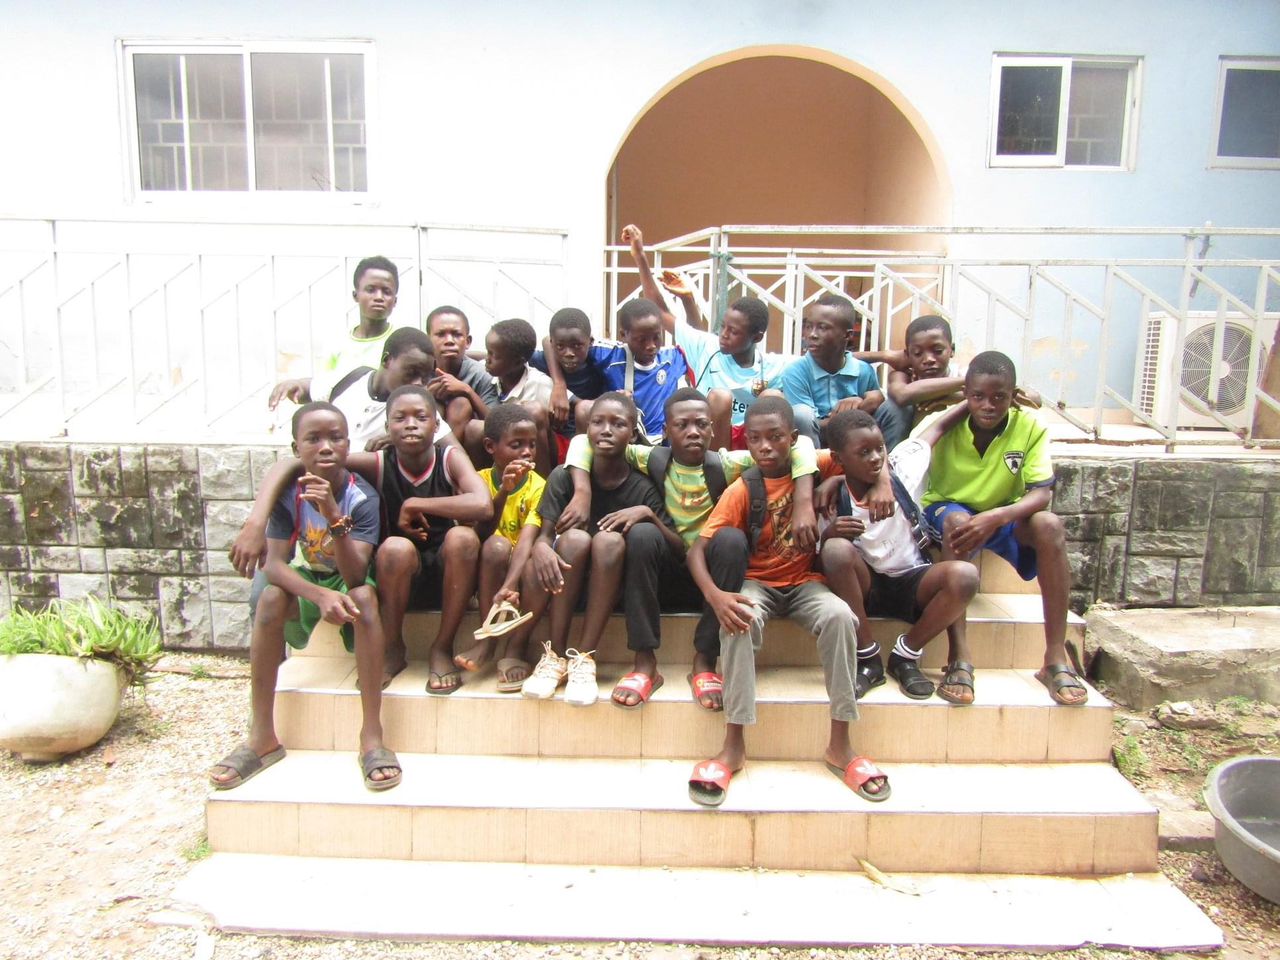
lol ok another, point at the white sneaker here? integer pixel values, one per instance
(581, 690)
(547, 675)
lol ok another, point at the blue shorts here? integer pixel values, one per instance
(1002, 543)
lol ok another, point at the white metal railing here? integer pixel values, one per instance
(136, 328)
(1077, 317)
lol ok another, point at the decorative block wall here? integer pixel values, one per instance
(149, 527)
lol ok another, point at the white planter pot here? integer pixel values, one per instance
(51, 706)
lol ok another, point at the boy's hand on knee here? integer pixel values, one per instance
(337, 607)
(621, 521)
(735, 611)
(970, 534)
(549, 567)
(576, 513)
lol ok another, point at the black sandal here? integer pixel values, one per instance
(911, 681)
(870, 674)
(958, 674)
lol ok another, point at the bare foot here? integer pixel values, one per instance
(475, 658)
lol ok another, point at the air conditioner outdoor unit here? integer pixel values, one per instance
(1241, 334)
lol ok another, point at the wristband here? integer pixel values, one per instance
(341, 527)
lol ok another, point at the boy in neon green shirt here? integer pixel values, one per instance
(990, 487)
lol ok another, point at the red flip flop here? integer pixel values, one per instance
(704, 683)
(856, 775)
(709, 784)
(636, 682)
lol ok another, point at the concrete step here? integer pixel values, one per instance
(1074, 819)
(1005, 630)
(1014, 720)
(313, 896)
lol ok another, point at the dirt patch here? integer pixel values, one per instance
(91, 847)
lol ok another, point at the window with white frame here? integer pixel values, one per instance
(1062, 111)
(248, 117)
(1248, 127)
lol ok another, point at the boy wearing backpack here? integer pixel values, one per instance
(881, 567)
(691, 479)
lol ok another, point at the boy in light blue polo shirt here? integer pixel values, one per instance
(829, 378)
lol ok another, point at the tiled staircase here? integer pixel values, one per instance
(540, 796)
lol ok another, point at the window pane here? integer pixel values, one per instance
(1095, 114)
(290, 121)
(1030, 98)
(1250, 114)
(346, 79)
(215, 109)
(157, 91)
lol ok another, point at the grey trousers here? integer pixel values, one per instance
(818, 610)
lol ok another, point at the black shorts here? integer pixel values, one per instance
(426, 587)
(895, 596)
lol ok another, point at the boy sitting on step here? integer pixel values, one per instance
(509, 345)
(780, 581)
(510, 437)
(332, 517)
(427, 558)
(880, 568)
(690, 479)
(569, 338)
(990, 488)
(621, 498)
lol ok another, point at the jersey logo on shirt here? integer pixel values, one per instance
(661, 377)
(1013, 460)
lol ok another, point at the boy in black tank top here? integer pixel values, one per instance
(426, 490)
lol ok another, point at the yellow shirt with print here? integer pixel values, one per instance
(521, 508)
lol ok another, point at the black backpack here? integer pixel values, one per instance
(712, 469)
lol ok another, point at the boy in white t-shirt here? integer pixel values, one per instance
(880, 568)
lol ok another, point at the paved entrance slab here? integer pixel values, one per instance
(1149, 656)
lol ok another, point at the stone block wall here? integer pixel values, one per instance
(149, 528)
(1171, 531)
(146, 527)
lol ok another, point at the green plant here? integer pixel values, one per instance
(86, 628)
(1238, 705)
(1130, 758)
(198, 850)
(200, 672)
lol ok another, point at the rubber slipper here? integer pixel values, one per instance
(1057, 677)
(506, 664)
(636, 682)
(955, 677)
(246, 763)
(703, 684)
(870, 674)
(709, 784)
(911, 681)
(443, 691)
(379, 758)
(856, 775)
(502, 619)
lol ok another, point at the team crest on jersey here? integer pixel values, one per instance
(1013, 460)
(661, 377)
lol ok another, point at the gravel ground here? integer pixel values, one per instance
(90, 849)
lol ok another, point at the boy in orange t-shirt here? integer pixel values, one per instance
(780, 581)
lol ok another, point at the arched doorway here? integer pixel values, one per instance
(779, 135)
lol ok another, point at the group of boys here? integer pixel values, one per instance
(712, 496)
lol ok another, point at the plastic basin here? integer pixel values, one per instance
(1243, 795)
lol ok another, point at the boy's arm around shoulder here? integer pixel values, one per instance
(941, 425)
(249, 549)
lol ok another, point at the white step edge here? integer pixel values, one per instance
(248, 893)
